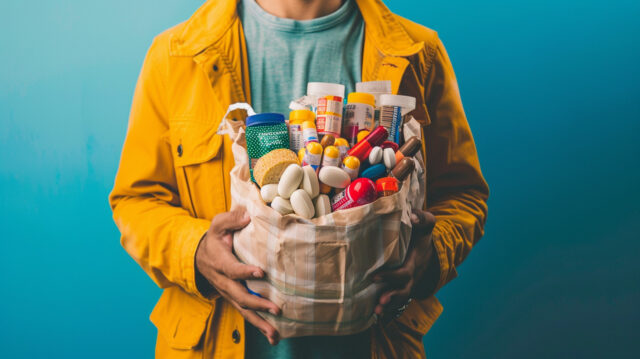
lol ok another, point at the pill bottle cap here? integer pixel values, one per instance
(364, 190)
(331, 151)
(299, 116)
(351, 162)
(362, 97)
(387, 184)
(376, 88)
(264, 119)
(319, 89)
(314, 148)
(308, 124)
(407, 103)
(341, 142)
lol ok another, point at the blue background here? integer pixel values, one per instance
(551, 90)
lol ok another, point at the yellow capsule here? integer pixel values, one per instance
(341, 142)
(351, 165)
(331, 156)
(362, 134)
(314, 148)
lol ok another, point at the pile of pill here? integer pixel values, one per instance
(331, 155)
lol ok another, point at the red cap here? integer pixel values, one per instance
(387, 184)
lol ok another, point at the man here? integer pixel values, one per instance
(171, 196)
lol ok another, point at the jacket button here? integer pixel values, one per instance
(235, 336)
(180, 150)
(215, 67)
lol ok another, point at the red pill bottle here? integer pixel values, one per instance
(360, 192)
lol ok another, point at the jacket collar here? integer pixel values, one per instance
(211, 21)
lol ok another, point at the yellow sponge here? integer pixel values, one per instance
(269, 167)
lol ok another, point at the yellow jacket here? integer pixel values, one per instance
(174, 171)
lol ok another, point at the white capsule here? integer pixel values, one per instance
(282, 205)
(375, 156)
(310, 182)
(269, 192)
(334, 177)
(322, 204)
(389, 158)
(301, 204)
(290, 180)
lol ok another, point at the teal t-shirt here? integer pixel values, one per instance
(284, 55)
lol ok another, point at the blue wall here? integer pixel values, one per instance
(551, 91)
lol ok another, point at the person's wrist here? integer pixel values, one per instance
(428, 282)
(202, 283)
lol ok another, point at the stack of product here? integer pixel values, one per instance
(331, 157)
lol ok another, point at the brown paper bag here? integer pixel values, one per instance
(319, 270)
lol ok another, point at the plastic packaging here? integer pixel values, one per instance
(329, 110)
(360, 192)
(296, 118)
(376, 88)
(312, 155)
(386, 186)
(290, 180)
(351, 165)
(358, 115)
(265, 132)
(410, 148)
(327, 105)
(374, 172)
(309, 132)
(331, 157)
(343, 147)
(403, 168)
(375, 138)
(392, 111)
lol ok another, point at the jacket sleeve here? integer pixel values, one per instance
(156, 231)
(456, 191)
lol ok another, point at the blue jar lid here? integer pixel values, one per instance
(264, 119)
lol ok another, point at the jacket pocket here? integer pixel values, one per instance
(197, 153)
(181, 319)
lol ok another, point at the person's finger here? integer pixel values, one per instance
(385, 299)
(230, 221)
(265, 328)
(423, 220)
(225, 262)
(245, 300)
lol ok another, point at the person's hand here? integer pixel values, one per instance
(217, 263)
(403, 283)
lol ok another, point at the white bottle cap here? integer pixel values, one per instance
(318, 89)
(376, 88)
(407, 103)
